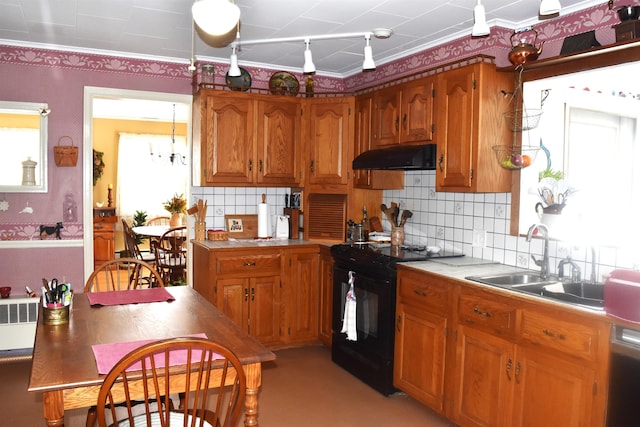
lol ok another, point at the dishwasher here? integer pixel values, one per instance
(622, 301)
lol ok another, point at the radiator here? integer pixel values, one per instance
(18, 317)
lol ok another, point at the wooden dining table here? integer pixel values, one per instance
(64, 367)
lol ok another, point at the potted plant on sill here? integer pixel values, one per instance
(176, 206)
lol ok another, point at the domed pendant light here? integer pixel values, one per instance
(215, 17)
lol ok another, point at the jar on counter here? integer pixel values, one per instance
(397, 236)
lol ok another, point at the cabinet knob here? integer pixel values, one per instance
(441, 162)
(246, 294)
(312, 166)
(481, 313)
(260, 166)
(250, 165)
(509, 364)
(404, 121)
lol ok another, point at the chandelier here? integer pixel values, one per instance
(174, 157)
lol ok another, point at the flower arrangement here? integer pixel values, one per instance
(176, 204)
(98, 165)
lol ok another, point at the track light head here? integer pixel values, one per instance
(309, 67)
(368, 64)
(480, 27)
(234, 69)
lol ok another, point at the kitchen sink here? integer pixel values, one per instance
(583, 293)
(512, 280)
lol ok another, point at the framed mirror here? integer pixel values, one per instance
(589, 135)
(23, 143)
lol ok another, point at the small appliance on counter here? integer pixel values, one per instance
(282, 227)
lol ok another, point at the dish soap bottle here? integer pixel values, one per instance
(365, 224)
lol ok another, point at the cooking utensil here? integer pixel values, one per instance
(387, 212)
(394, 216)
(522, 51)
(406, 214)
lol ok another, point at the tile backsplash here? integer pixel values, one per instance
(476, 224)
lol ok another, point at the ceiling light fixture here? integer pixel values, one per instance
(308, 67)
(368, 64)
(549, 7)
(234, 69)
(216, 17)
(480, 27)
(379, 33)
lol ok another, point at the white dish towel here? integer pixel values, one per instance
(349, 320)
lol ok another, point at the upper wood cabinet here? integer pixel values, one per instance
(470, 103)
(363, 178)
(248, 139)
(404, 113)
(329, 136)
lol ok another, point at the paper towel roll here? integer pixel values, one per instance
(264, 226)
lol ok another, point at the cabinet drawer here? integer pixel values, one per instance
(576, 338)
(249, 264)
(423, 291)
(486, 312)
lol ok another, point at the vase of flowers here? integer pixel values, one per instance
(176, 206)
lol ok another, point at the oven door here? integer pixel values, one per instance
(375, 313)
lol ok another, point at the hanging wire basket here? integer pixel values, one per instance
(522, 119)
(515, 157)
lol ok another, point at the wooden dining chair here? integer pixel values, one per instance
(132, 247)
(123, 273)
(171, 255)
(196, 367)
(159, 220)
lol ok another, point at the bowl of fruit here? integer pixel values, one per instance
(515, 156)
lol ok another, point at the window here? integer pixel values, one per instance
(146, 181)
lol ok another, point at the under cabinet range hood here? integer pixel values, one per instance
(403, 157)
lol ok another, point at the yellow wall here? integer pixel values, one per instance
(106, 133)
(28, 121)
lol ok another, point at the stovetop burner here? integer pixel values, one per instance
(385, 254)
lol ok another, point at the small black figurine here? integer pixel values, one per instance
(48, 230)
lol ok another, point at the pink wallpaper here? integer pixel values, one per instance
(59, 78)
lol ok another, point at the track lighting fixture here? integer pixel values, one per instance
(480, 27)
(368, 64)
(549, 7)
(216, 17)
(308, 67)
(234, 69)
(192, 61)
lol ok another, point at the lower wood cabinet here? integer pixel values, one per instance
(270, 291)
(326, 295)
(488, 358)
(104, 241)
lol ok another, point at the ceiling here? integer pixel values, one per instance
(163, 28)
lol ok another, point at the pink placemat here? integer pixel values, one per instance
(131, 296)
(107, 355)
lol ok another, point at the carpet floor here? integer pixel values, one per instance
(303, 387)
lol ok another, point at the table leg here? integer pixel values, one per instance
(54, 408)
(253, 373)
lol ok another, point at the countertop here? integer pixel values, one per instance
(256, 243)
(476, 267)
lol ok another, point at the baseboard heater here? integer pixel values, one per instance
(18, 319)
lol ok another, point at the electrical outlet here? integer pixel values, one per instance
(479, 238)
(440, 232)
(499, 211)
(523, 260)
(432, 194)
(458, 207)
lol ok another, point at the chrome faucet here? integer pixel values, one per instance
(544, 262)
(575, 269)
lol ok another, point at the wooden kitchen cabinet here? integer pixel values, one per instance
(248, 139)
(469, 123)
(329, 136)
(271, 291)
(548, 367)
(104, 240)
(422, 319)
(404, 113)
(364, 178)
(326, 294)
(300, 293)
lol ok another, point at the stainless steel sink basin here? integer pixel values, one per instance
(512, 280)
(583, 293)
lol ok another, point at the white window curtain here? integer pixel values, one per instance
(23, 143)
(145, 182)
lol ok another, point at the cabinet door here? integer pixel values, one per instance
(302, 297)
(419, 364)
(103, 243)
(279, 136)
(233, 300)
(416, 122)
(330, 134)
(455, 136)
(264, 306)
(362, 138)
(228, 149)
(386, 120)
(326, 295)
(553, 391)
(484, 379)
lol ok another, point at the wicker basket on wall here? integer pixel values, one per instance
(65, 155)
